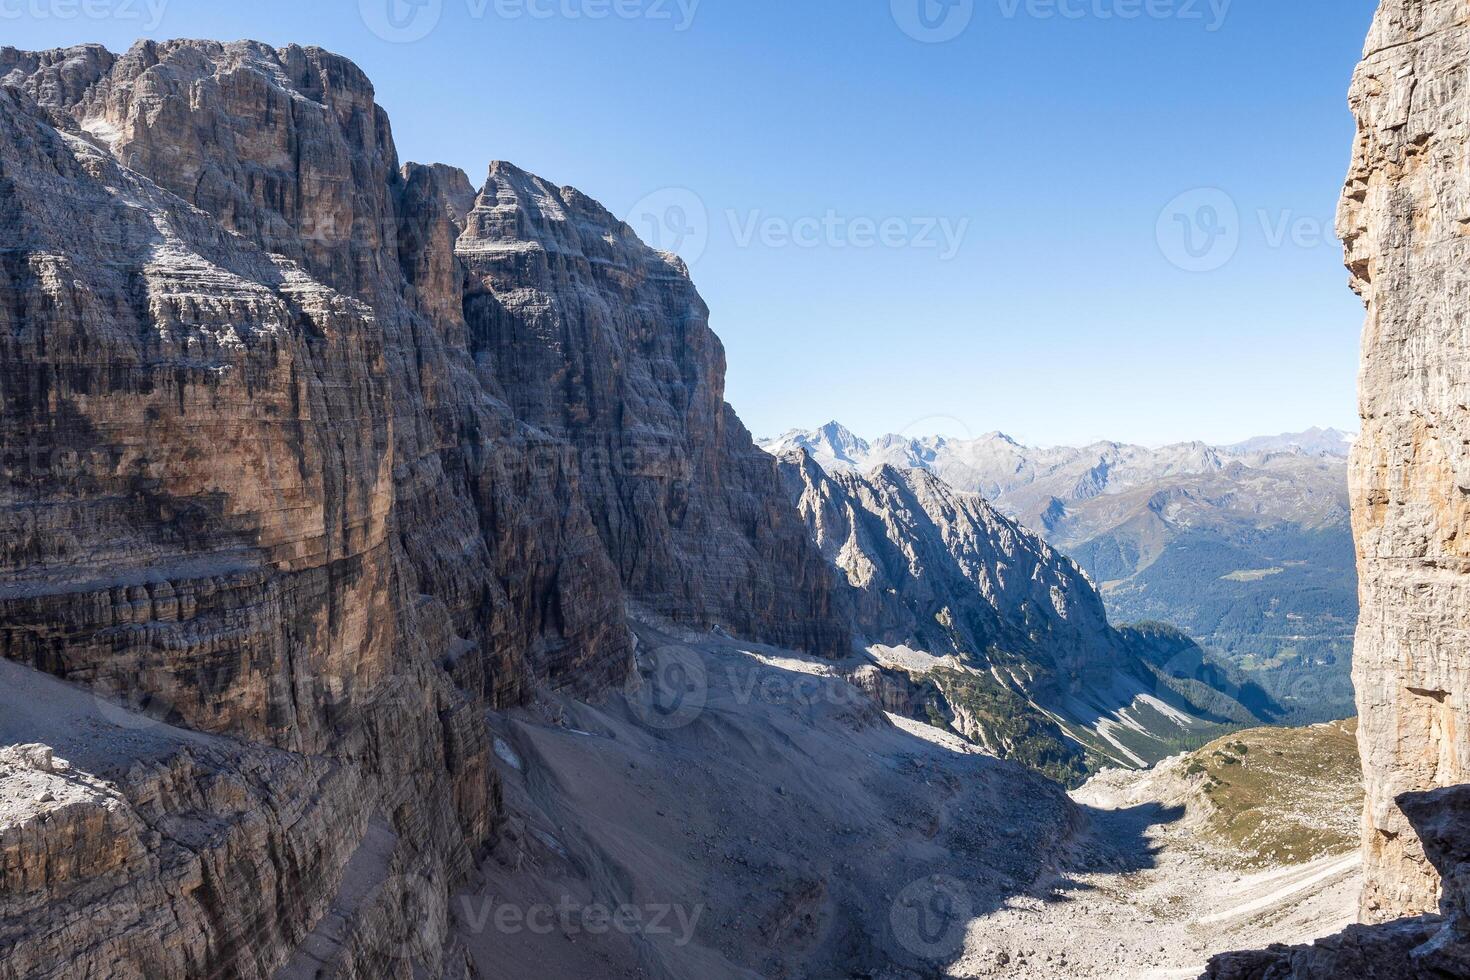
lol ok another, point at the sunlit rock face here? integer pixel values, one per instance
(943, 571)
(322, 454)
(1405, 222)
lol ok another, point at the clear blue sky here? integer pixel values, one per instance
(1057, 143)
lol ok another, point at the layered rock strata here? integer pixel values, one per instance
(1405, 222)
(321, 455)
(1405, 225)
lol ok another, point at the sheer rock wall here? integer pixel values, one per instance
(322, 455)
(1405, 222)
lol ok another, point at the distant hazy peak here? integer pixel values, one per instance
(835, 442)
(1073, 493)
(1314, 442)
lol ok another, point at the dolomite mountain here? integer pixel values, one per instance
(308, 458)
(1247, 547)
(341, 498)
(1403, 221)
(1010, 635)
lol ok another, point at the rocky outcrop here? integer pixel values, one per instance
(916, 554)
(1404, 221)
(1441, 819)
(1427, 947)
(1374, 952)
(320, 455)
(1002, 638)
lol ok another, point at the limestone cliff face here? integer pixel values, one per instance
(603, 344)
(320, 454)
(1405, 222)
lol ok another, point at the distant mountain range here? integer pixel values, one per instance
(1247, 547)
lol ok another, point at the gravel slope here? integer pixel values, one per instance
(781, 826)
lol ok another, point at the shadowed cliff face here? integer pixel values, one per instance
(306, 448)
(605, 345)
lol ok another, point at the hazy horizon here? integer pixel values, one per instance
(960, 435)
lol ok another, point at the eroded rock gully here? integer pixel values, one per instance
(308, 458)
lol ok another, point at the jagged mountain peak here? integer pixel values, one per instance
(832, 445)
(937, 570)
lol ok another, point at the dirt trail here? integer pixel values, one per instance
(1163, 921)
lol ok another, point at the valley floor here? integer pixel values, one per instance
(742, 815)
